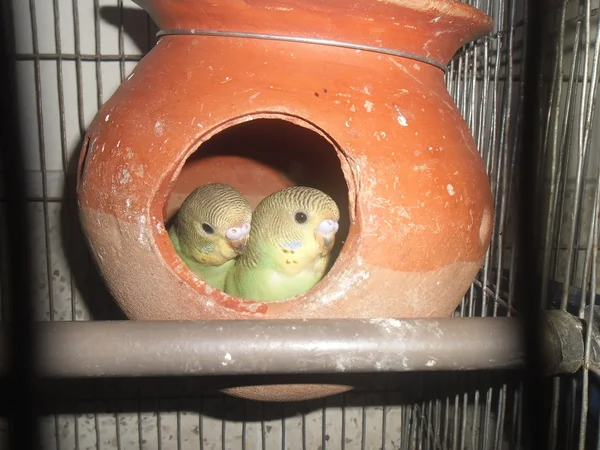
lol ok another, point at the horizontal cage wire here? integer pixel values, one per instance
(72, 55)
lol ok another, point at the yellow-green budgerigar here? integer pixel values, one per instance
(210, 230)
(293, 232)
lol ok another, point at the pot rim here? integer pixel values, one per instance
(429, 29)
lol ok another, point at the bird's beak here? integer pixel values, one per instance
(237, 237)
(328, 241)
(239, 245)
(325, 233)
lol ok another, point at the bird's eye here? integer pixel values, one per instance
(300, 217)
(207, 228)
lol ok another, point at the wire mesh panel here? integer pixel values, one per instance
(72, 56)
(568, 203)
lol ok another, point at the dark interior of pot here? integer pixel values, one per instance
(261, 156)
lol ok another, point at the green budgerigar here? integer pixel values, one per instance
(210, 230)
(293, 232)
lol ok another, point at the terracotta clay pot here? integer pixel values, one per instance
(377, 131)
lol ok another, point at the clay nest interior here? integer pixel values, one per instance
(261, 156)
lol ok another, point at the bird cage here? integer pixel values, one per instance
(71, 56)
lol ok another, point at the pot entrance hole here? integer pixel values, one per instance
(261, 156)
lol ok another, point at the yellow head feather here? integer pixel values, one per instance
(213, 224)
(292, 228)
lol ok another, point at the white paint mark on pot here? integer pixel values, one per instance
(368, 105)
(253, 96)
(226, 80)
(125, 176)
(158, 128)
(401, 118)
(450, 189)
(142, 225)
(106, 118)
(366, 90)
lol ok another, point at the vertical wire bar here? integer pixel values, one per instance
(463, 427)
(201, 424)
(459, 84)
(550, 145)
(446, 427)
(514, 437)
(224, 423)
(571, 408)
(588, 124)
(432, 430)
(505, 176)
(64, 157)
(99, 84)
(476, 406)
(41, 142)
(263, 429)
(363, 431)
(553, 149)
(486, 419)
(473, 122)
(481, 138)
(438, 424)
(464, 107)
(450, 78)
(520, 415)
(324, 427)
(580, 159)
(303, 430)
(78, 72)
(455, 437)
(593, 250)
(245, 429)
(283, 442)
(343, 430)
(81, 118)
(501, 417)
(121, 40)
(383, 424)
(140, 432)
(414, 427)
(490, 159)
(566, 139)
(158, 425)
(179, 431)
(587, 137)
(512, 181)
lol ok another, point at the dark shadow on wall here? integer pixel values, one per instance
(141, 29)
(136, 23)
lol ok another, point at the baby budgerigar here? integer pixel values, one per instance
(210, 230)
(293, 232)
